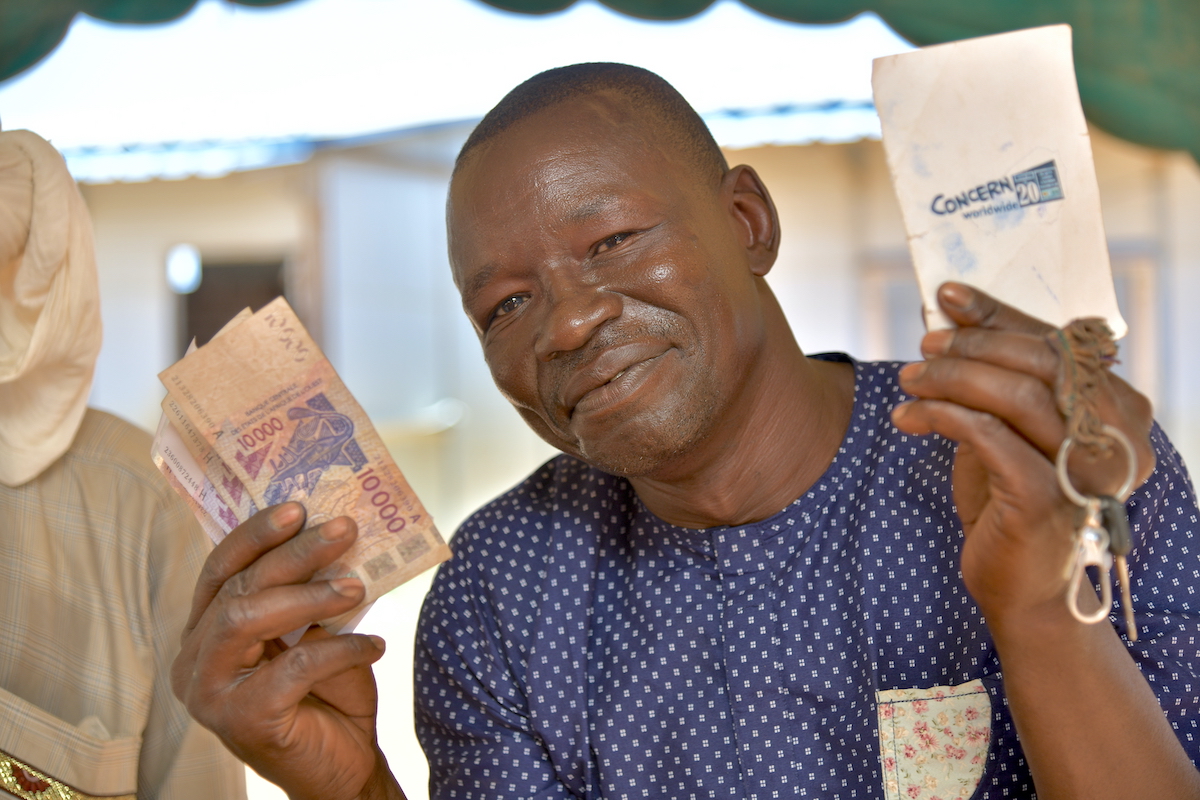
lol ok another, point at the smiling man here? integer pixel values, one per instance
(742, 578)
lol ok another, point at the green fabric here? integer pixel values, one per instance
(1138, 61)
(31, 29)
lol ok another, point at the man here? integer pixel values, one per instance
(741, 573)
(97, 556)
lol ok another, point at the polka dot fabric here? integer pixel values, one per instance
(578, 646)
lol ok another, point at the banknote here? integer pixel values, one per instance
(188, 479)
(270, 406)
(224, 480)
(169, 455)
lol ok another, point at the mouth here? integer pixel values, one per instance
(610, 378)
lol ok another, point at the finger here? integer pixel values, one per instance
(1004, 455)
(293, 562)
(296, 560)
(336, 692)
(971, 308)
(289, 678)
(240, 627)
(1021, 478)
(1021, 352)
(1020, 400)
(265, 530)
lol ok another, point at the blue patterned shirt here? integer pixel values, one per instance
(578, 646)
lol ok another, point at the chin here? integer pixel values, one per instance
(645, 447)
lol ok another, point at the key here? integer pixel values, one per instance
(1120, 542)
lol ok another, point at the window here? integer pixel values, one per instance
(224, 290)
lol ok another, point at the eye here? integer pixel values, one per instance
(509, 305)
(611, 242)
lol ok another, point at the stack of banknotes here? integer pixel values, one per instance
(258, 417)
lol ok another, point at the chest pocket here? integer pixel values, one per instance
(934, 742)
(38, 748)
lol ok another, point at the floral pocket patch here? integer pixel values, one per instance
(934, 742)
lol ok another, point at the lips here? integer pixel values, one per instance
(611, 376)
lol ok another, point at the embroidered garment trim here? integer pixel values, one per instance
(28, 783)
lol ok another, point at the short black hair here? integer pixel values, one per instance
(680, 123)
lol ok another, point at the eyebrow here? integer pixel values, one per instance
(477, 284)
(592, 209)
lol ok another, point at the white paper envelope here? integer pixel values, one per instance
(991, 160)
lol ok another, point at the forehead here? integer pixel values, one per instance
(560, 165)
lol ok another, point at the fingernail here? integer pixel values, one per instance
(286, 516)
(334, 530)
(347, 587)
(913, 371)
(957, 295)
(936, 343)
(379, 643)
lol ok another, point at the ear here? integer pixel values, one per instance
(754, 216)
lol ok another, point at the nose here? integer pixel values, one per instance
(576, 313)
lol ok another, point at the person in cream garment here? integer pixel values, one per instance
(97, 555)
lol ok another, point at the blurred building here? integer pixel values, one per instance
(353, 232)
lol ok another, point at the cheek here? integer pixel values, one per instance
(514, 380)
(660, 274)
(515, 372)
(675, 282)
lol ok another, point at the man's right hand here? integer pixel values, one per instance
(302, 717)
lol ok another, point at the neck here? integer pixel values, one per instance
(791, 423)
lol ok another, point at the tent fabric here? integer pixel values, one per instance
(1137, 61)
(31, 29)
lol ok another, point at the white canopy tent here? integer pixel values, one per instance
(323, 69)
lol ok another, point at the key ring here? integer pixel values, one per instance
(1092, 541)
(1064, 479)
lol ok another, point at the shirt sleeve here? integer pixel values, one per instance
(472, 713)
(179, 759)
(1165, 572)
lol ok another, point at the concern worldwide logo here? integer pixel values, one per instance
(1035, 185)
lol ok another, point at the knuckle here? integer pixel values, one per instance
(258, 529)
(1047, 358)
(987, 311)
(234, 614)
(1033, 396)
(298, 662)
(968, 342)
(989, 424)
(238, 585)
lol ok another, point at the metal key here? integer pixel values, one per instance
(1120, 542)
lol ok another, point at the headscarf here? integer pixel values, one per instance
(49, 307)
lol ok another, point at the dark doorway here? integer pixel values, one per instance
(225, 289)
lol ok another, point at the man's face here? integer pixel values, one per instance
(608, 284)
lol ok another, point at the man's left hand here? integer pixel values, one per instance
(990, 385)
